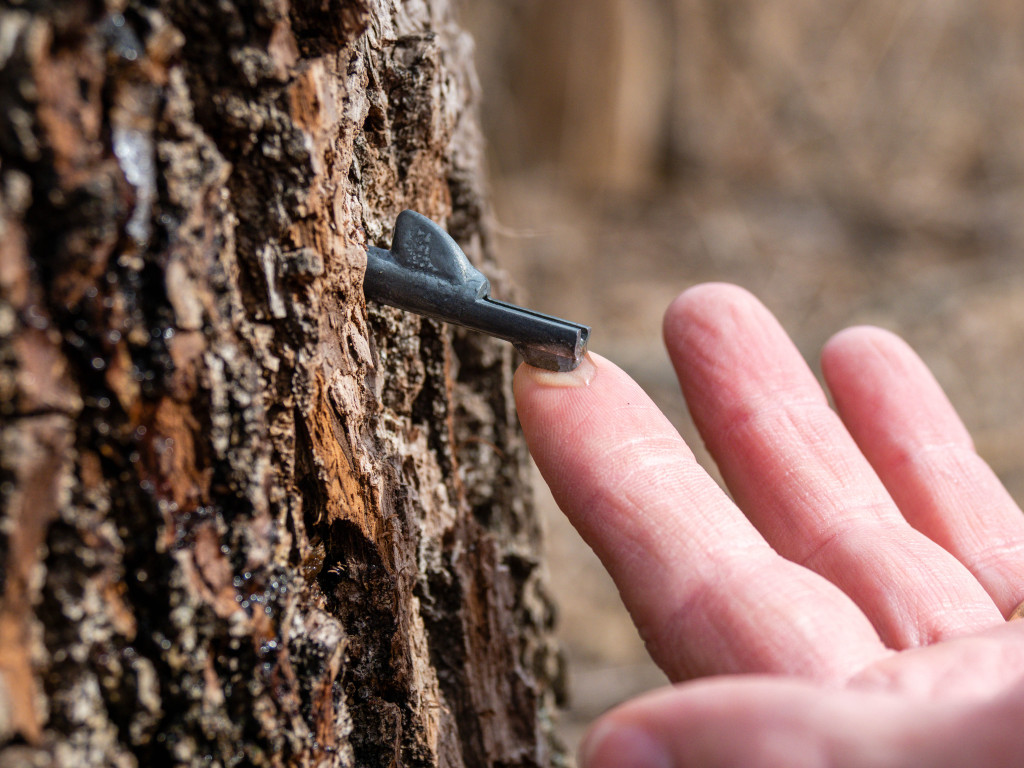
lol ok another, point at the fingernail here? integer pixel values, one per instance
(622, 746)
(580, 377)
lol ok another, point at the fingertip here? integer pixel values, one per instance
(859, 334)
(869, 363)
(699, 301)
(610, 744)
(878, 381)
(544, 399)
(581, 376)
(859, 340)
(840, 353)
(773, 721)
(553, 405)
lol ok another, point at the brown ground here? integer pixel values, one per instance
(849, 164)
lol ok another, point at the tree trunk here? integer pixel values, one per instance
(248, 520)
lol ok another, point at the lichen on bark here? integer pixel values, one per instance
(248, 520)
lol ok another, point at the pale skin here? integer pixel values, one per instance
(846, 606)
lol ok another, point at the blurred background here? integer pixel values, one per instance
(855, 161)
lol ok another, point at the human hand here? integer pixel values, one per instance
(852, 613)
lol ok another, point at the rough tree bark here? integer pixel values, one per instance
(248, 520)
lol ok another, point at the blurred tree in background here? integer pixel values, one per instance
(909, 102)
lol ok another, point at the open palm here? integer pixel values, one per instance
(846, 606)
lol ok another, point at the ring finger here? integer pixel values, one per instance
(917, 444)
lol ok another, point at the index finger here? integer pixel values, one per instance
(707, 593)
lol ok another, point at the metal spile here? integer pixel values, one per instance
(427, 273)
